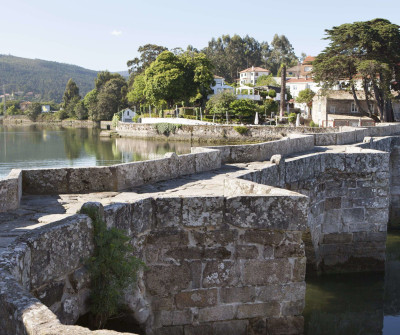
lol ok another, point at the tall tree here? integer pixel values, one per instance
(368, 51)
(175, 78)
(229, 55)
(71, 98)
(71, 93)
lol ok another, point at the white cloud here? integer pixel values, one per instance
(116, 32)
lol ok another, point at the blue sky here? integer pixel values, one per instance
(102, 35)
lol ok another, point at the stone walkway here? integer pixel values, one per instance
(38, 210)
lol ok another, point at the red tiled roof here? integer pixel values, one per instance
(218, 77)
(255, 69)
(308, 60)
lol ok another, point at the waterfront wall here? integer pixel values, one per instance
(215, 133)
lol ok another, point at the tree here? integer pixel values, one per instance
(71, 97)
(148, 54)
(171, 78)
(103, 77)
(71, 93)
(110, 99)
(34, 110)
(198, 73)
(229, 54)
(306, 96)
(90, 102)
(165, 79)
(266, 81)
(244, 109)
(281, 53)
(368, 51)
(219, 103)
(136, 95)
(80, 111)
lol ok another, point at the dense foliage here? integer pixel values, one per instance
(45, 78)
(229, 55)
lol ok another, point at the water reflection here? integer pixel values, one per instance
(356, 304)
(39, 147)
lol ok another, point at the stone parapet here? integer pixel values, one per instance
(11, 191)
(118, 177)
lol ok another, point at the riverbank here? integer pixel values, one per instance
(24, 120)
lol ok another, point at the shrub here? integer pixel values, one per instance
(61, 114)
(167, 128)
(112, 268)
(292, 117)
(242, 130)
(314, 125)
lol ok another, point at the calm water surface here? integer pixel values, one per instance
(43, 147)
(361, 304)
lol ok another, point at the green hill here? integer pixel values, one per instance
(45, 79)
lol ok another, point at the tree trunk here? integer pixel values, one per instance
(360, 109)
(283, 91)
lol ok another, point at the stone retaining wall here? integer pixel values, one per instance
(215, 133)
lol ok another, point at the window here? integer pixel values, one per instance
(294, 87)
(354, 108)
(332, 110)
(307, 68)
(256, 73)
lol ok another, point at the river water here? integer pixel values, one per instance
(41, 147)
(361, 304)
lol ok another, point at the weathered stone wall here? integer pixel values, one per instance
(117, 177)
(216, 265)
(43, 282)
(11, 191)
(349, 202)
(263, 151)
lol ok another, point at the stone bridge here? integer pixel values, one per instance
(226, 232)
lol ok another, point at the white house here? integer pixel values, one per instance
(46, 109)
(220, 86)
(127, 115)
(250, 75)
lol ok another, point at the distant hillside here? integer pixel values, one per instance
(45, 79)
